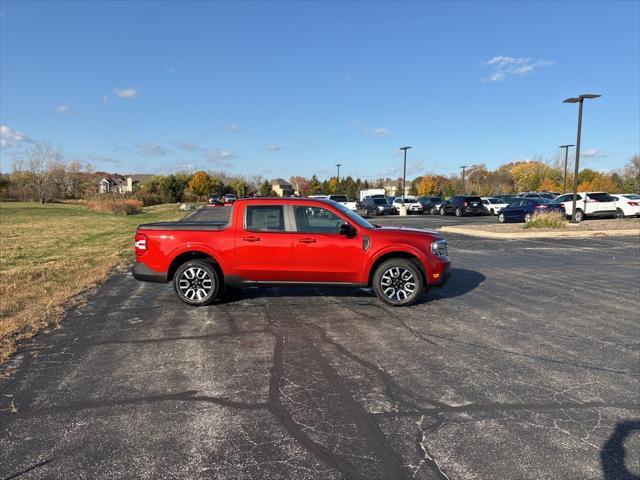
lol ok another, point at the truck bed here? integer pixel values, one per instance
(205, 218)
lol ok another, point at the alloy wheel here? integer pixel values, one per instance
(195, 284)
(398, 283)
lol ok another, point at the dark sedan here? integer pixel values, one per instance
(377, 206)
(522, 209)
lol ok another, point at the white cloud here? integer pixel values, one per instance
(593, 153)
(220, 156)
(375, 131)
(100, 158)
(10, 138)
(506, 68)
(188, 146)
(63, 109)
(105, 98)
(127, 92)
(152, 150)
(273, 147)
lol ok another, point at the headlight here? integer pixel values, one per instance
(439, 248)
(380, 207)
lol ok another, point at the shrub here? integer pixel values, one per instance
(149, 199)
(119, 207)
(547, 220)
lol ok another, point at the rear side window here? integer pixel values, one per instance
(338, 198)
(600, 197)
(265, 218)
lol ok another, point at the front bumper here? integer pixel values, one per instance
(143, 273)
(440, 273)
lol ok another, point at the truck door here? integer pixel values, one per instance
(263, 244)
(320, 252)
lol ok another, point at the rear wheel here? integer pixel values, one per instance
(619, 213)
(398, 282)
(196, 283)
(458, 212)
(502, 218)
(492, 212)
(527, 217)
(579, 215)
(442, 212)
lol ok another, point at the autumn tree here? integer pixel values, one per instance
(200, 184)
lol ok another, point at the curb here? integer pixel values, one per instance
(563, 234)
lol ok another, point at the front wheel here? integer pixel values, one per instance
(442, 212)
(619, 213)
(458, 212)
(196, 283)
(398, 282)
(527, 217)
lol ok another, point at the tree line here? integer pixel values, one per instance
(42, 175)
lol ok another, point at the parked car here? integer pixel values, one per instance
(547, 195)
(493, 205)
(589, 204)
(627, 204)
(429, 203)
(377, 206)
(412, 204)
(350, 203)
(505, 198)
(215, 200)
(462, 205)
(230, 198)
(291, 241)
(436, 208)
(523, 209)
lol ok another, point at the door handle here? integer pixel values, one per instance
(251, 238)
(307, 240)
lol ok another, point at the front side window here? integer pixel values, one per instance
(265, 218)
(317, 220)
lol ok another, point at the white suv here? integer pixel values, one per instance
(589, 204)
(412, 204)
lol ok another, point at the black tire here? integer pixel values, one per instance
(442, 212)
(433, 210)
(579, 215)
(492, 212)
(527, 217)
(398, 282)
(194, 277)
(502, 218)
(459, 213)
(619, 213)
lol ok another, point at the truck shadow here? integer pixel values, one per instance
(613, 453)
(461, 282)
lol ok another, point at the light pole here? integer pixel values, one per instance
(338, 182)
(580, 101)
(566, 156)
(404, 172)
(463, 167)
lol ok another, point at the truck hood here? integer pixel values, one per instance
(408, 230)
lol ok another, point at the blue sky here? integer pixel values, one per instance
(285, 88)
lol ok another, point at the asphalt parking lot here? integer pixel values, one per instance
(525, 366)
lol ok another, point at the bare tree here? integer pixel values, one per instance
(43, 165)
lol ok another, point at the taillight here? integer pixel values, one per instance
(465, 204)
(141, 243)
(634, 204)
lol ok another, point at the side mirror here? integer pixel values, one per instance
(348, 230)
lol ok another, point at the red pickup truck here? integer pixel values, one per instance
(290, 241)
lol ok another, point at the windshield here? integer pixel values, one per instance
(379, 201)
(338, 198)
(632, 197)
(353, 216)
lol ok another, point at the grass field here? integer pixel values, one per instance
(49, 253)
